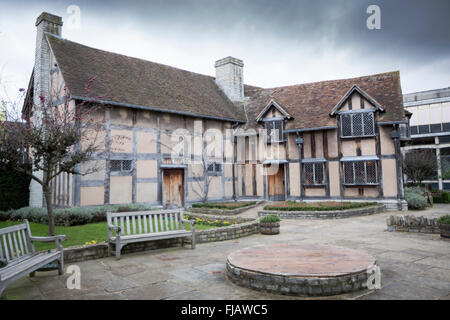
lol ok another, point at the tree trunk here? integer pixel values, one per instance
(51, 219)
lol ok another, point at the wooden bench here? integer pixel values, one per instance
(17, 252)
(139, 226)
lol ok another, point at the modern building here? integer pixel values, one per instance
(328, 140)
(430, 129)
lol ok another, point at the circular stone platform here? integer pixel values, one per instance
(300, 269)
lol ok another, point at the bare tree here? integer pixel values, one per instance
(57, 140)
(420, 165)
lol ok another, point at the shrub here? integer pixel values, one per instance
(14, 191)
(415, 201)
(70, 216)
(445, 219)
(445, 197)
(270, 218)
(437, 199)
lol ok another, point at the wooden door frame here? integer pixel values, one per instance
(174, 167)
(266, 182)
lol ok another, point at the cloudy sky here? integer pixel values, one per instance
(281, 42)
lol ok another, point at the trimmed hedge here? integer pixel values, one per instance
(305, 207)
(70, 216)
(223, 205)
(14, 190)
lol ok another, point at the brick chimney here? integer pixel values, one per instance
(45, 23)
(229, 78)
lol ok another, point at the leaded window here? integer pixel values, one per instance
(314, 173)
(121, 165)
(274, 130)
(214, 168)
(357, 124)
(360, 172)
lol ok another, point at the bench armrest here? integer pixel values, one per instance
(117, 229)
(57, 239)
(49, 239)
(192, 222)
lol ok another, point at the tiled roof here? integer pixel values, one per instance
(135, 82)
(310, 104)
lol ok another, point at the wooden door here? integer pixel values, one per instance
(173, 188)
(276, 184)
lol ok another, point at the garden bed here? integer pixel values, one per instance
(223, 208)
(88, 241)
(321, 210)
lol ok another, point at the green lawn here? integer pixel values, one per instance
(76, 235)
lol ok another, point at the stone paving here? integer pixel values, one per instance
(413, 266)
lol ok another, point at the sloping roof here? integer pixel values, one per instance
(130, 81)
(310, 104)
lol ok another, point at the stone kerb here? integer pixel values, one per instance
(335, 214)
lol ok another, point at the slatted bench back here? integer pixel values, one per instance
(15, 242)
(144, 222)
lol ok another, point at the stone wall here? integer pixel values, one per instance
(301, 286)
(337, 214)
(412, 224)
(243, 228)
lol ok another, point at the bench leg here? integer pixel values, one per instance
(2, 287)
(193, 241)
(109, 249)
(182, 242)
(118, 249)
(61, 264)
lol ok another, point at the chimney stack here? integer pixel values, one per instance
(229, 78)
(45, 23)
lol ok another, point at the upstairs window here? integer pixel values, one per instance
(357, 124)
(274, 130)
(121, 165)
(360, 172)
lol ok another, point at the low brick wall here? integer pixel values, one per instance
(412, 224)
(221, 212)
(337, 214)
(243, 228)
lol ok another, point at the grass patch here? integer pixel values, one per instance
(224, 205)
(77, 235)
(318, 206)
